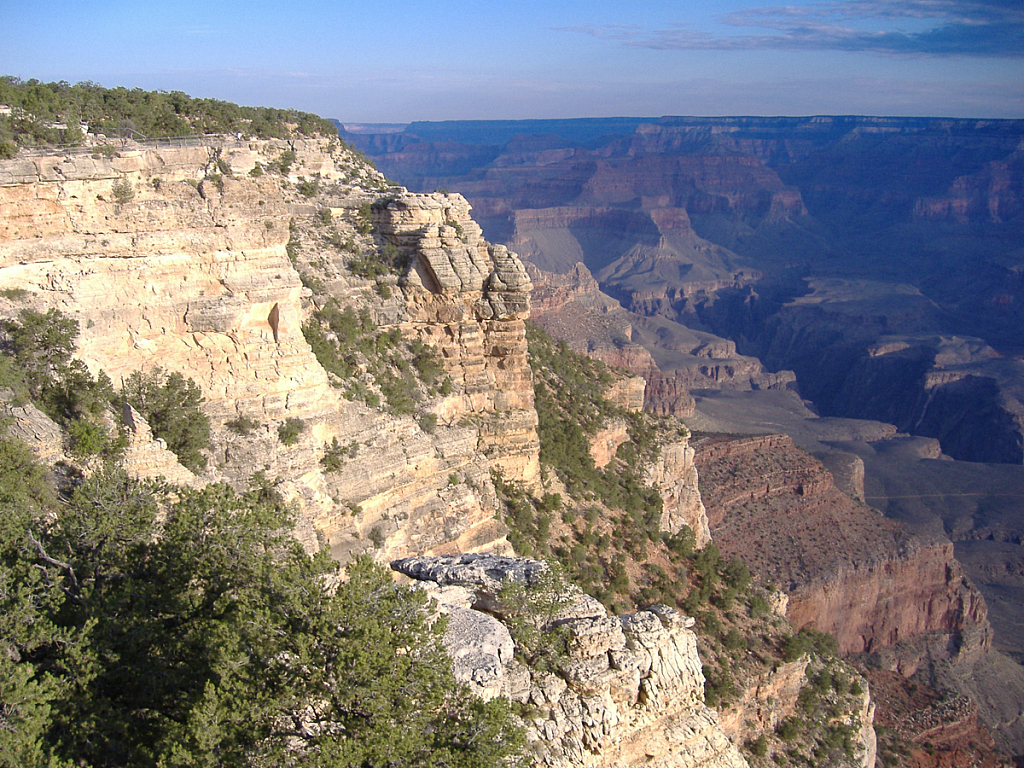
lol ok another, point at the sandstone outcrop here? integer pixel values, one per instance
(34, 428)
(469, 300)
(175, 257)
(628, 692)
(148, 457)
(675, 477)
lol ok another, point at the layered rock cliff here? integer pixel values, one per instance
(864, 349)
(627, 691)
(672, 358)
(176, 257)
(899, 600)
(209, 261)
(848, 570)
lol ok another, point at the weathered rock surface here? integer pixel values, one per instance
(148, 457)
(34, 428)
(675, 476)
(481, 572)
(629, 693)
(671, 358)
(469, 300)
(190, 273)
(848, 570)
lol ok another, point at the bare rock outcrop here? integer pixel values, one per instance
(675, 476)
(469, 300)
(175, 256)
(148, 457)
(628, 692)
(848, 570)
(31, 426)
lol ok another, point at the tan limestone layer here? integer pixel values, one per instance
(191, 275)
(630, 694)
(147, 457)
(469, 300)
(675, 475)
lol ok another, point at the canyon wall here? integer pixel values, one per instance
(848, 570)
(716, 222)
(204, 261)
(175, 257)
(864, 349)
(628, 692)
(672, 358)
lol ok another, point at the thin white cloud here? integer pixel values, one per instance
(975, 28)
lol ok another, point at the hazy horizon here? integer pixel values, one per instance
(457, 60)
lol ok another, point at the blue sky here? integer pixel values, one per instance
(455, 59)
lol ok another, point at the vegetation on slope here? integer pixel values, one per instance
(371, 364)
(602, 528)
(37, 365)
(148, 625)
(50, 113)
(144, 626)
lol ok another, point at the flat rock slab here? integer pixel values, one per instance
(480, 571)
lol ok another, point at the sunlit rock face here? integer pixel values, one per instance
(175, 257)
(629, 692)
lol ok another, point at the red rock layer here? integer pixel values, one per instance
(849, 571)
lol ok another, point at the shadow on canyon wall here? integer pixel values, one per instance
(788, 275)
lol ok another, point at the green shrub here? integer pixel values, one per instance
(335, 454)
(145, 625)
(38, 364)
(529, 613)
(758, 607)
(87, 438)
(242, 425)
(398, 393)
(170, 403)
(428, 423)
(681, 543)
(759, 746)
(122, 191)
(790, 728)
(364, 219)
(808, 640)
(288, 432)
(735, 640)
(736, 574)
(284, 162)
(308, 187)
(291, 248)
